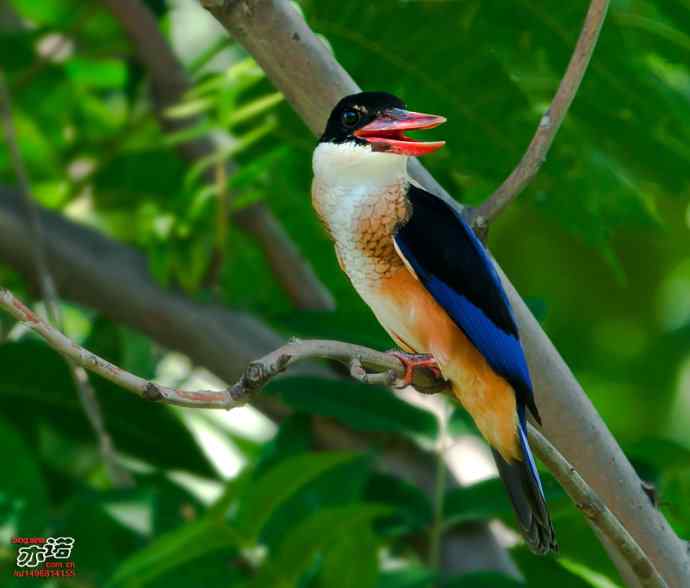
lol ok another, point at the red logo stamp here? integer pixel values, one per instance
(44, 557)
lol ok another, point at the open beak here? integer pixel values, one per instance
(387, 132)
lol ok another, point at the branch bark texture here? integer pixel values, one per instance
(301, 67)
(259, 372)
(366, 365)
(96, 272)
(599, 516)
(88, 360)
(292, 272)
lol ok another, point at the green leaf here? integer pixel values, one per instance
(138, 354)
(411, 577)
(255, 108)
(355, 552)
(22, 54)
(674, 492)
(546, 571)
(242, 74)
(488, 499)
(52, 12)
(187, 108)
(132, 174)
(297, 552)
(100, 74)
(242, 143)
(281, 482)
(341, 485)
(213, 569)
(171, 505)
(183, 551)
(360, 406)
(483, 580)
(257, 170)
(209, 53)
(484, 500)
(23, 497)
(189, 133)
(294, 437)
(102, 541)
(173, 549)
(477, 123)
(412, 510)
(232, 491)
(660, 454)
(153, 433)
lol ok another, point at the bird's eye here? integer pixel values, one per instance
(350, 118)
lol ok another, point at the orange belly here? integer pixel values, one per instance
(418, 323)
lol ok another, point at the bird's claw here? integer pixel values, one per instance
(412, 361)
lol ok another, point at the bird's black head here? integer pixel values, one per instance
(355, 111)
(379, 119)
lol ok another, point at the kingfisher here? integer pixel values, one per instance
(430, 282)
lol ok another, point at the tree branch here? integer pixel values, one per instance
(170, 83)
(49, 294)
(99, 273)
(306, 72)
(535, 156)
(595, 510)
(88, 360)
(366, 365)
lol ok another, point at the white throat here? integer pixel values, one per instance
(359, 195)
(350, 164)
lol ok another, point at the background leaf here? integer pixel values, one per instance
(32, 398)
(23, 497)
(319, 531)
(597, 245)
(269, 491)
(362, 407)
(352, 562)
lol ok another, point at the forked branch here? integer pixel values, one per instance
(365, 365)
(303, 68)
(550, 122)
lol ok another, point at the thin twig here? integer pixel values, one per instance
(221, 234)
(257, 374)
(99, 273)
(305, 70)
(437, 529)
(45, 279)
(359, 359)
(92, 362)
(535, 156)
(170, 83)
(49, 294)
(595, 510)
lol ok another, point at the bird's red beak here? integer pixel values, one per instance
(386, 132)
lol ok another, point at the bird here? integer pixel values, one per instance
(430, 282)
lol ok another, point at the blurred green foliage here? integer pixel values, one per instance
(598, 244)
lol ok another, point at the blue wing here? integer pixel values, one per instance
(456, 269)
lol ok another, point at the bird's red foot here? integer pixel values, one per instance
(412, 361)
